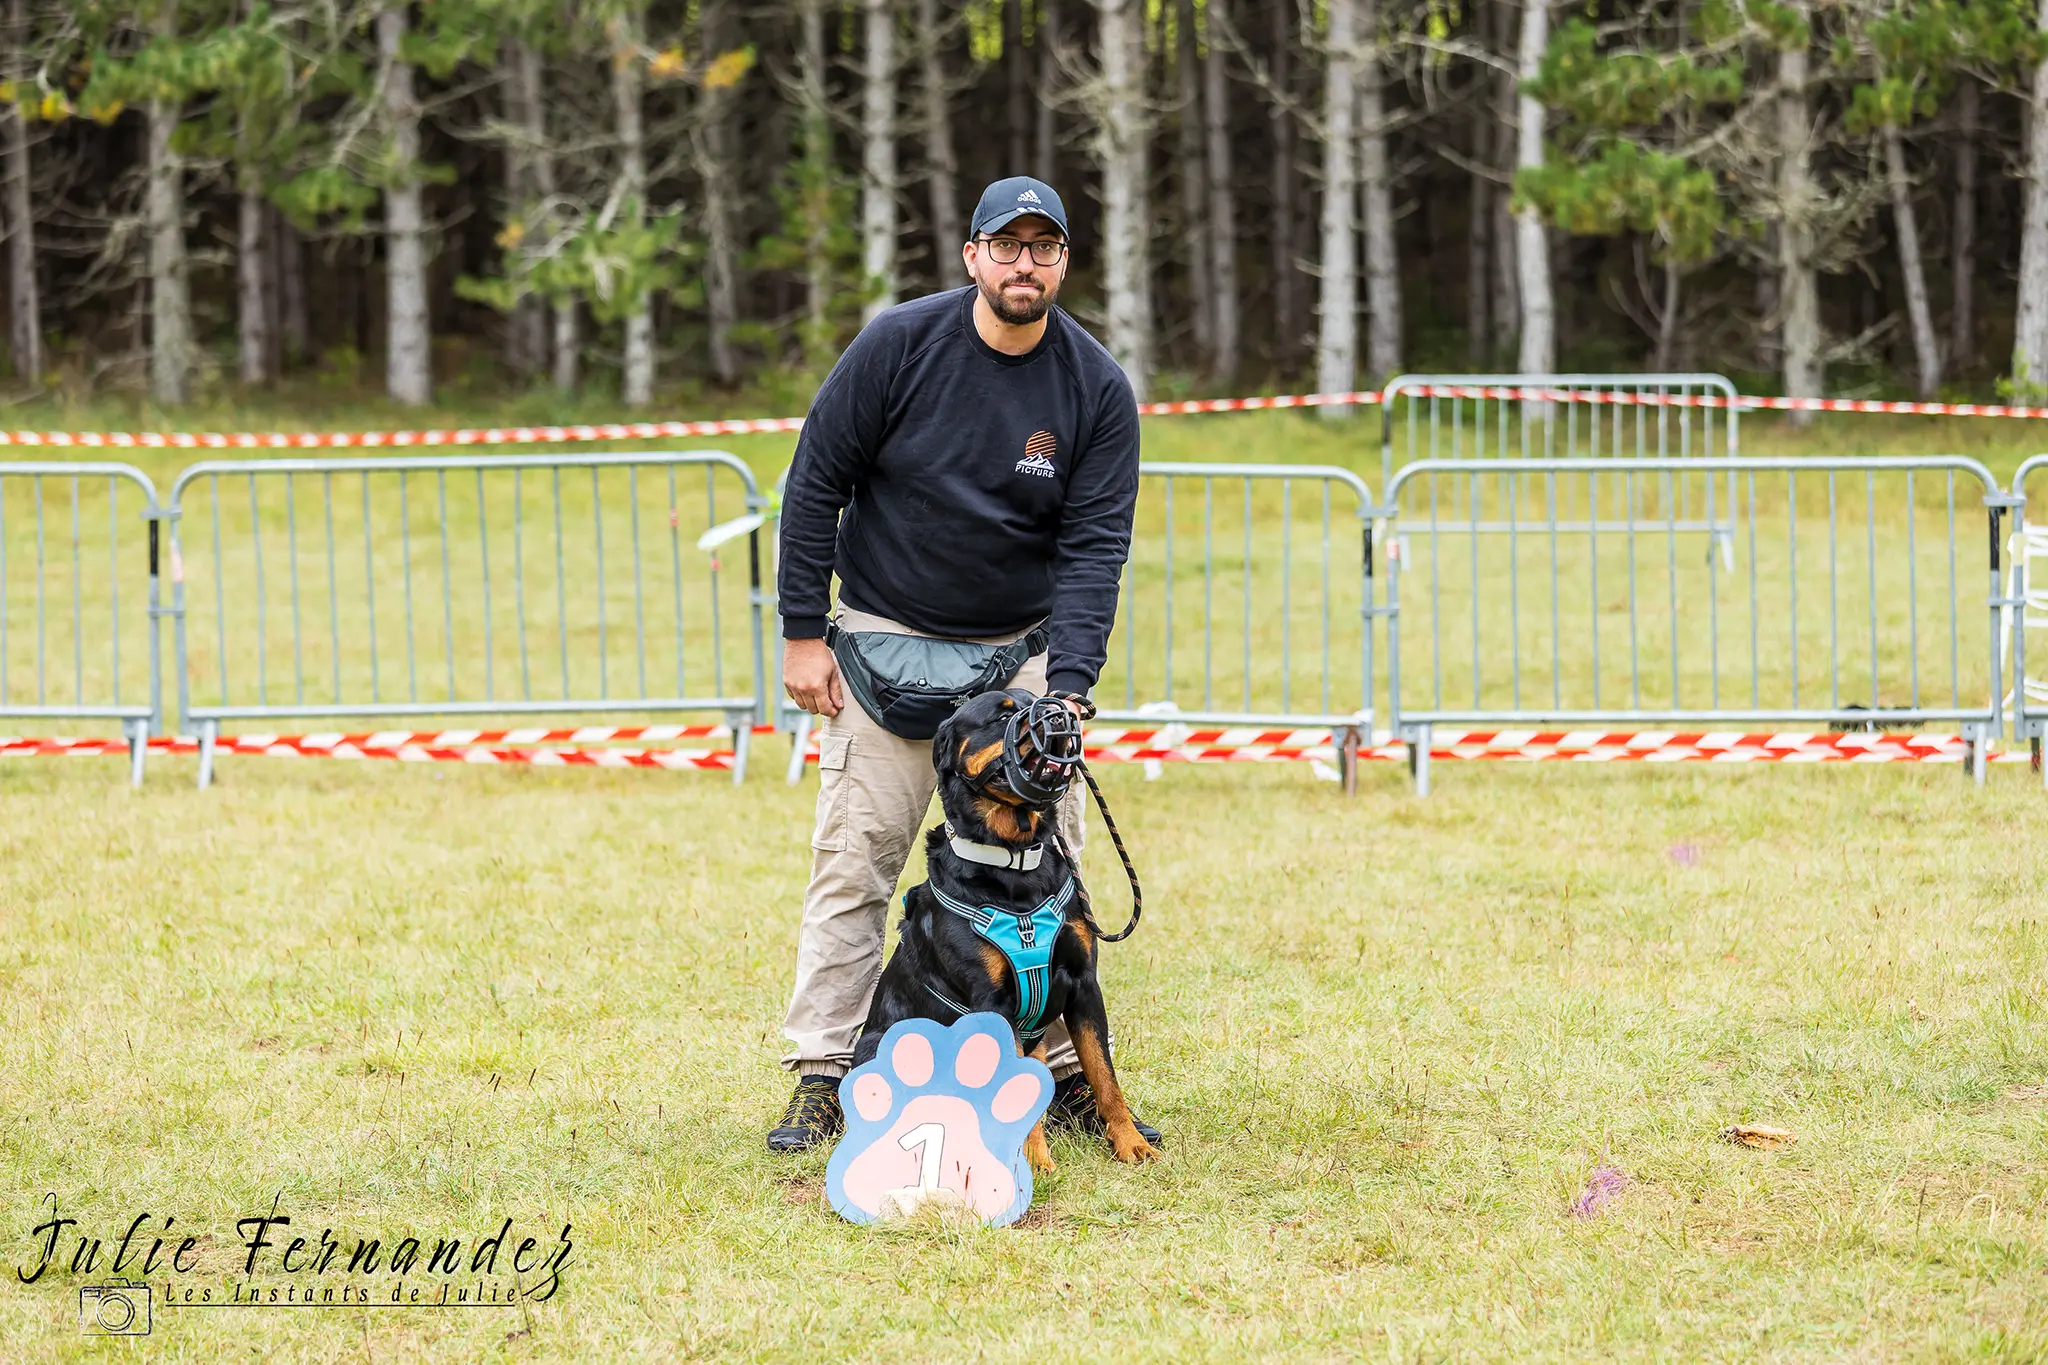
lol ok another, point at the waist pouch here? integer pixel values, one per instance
(909, 684)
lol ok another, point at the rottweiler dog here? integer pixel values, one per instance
(1017, 940)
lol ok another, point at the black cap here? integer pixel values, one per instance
(1008, 200)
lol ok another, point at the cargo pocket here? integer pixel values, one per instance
(830, 835)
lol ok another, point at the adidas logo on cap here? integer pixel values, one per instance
(1028, 197)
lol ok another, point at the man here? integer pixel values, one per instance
(970, 470)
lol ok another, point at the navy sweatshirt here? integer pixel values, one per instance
(962, 491)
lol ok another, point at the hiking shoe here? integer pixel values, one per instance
(1073, 1111)
(813, 1116)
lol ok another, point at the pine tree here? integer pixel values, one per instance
(1122, 135)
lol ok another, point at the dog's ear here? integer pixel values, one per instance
(942, 744)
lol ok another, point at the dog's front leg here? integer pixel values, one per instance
(1035, 1146)
(1088, 1023)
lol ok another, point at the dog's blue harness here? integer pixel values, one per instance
(1026, 938)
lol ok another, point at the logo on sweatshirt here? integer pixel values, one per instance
(1038, 453)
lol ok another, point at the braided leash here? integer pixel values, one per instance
(1117, 838)
(1086, 708)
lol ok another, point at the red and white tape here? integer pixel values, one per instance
(1105, 744)
(407, 747)
(748, 426)
(1185, 744)
(1619, 398)
(457, 436)
(317, 744)
(1665, 746)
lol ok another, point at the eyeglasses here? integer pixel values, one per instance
(1006, 250)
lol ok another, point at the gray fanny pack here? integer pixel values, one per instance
(909, 684)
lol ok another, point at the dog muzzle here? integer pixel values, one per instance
(1041, 750)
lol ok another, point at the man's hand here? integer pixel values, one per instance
(1083, 709)
(810, 675)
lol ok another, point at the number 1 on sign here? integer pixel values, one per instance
(931, 1137)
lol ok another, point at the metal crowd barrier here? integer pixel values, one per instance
(1855, 609)
(1246, 601)
(1452, 417)
(2026, 609)
(78, 598)
(471, 586)
(579, 585)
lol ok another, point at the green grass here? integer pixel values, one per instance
(1389, 1039)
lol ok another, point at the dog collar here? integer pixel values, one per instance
(995, 855)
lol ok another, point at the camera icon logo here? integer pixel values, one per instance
(119, 1308)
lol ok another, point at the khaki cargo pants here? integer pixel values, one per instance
(873, 793)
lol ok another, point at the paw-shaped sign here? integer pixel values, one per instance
(940, 1116)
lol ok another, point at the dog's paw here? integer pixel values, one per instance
(1040, 1151)
(939, 1119)
(1130, 1145)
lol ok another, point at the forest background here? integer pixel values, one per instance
(630, 204)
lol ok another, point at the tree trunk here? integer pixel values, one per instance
(1382, 252)
(1506, 305)
(941, 170)
(1478, 231)
(1562, 288)
(1222, 217)
(408, 344)
(1926, 350)
(1505, 257)
(24, 307)
(1799, 291)
(558, 321)
(1501, 251)
(1538, 353)
(878, 160)
(816, 185)
(1016, 92)
(1962, 318)
(1337, 305)
(713, 143)
(2030, 326)
(637, 386)
(1044, 150)
(170, 299)
(568, 362)
(252, 300)
(294, 326)
(1120, 153)
(519, 355)
(1286, 296)
(526, 327)
(1770, 327)
(1664, 361)
(1194, 186)
(255, 297)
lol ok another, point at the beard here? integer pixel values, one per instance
(1013, 313)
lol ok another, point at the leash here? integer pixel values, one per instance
(1116, 837)
(1086, 709)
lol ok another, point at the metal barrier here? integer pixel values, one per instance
(1466, 416)
(2026, 609)
(545, 584)
(1254, 597)
(1778, 644)
(1246, 601)
(69, 647)
(464, 586)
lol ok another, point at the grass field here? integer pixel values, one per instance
(1390, 1040)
